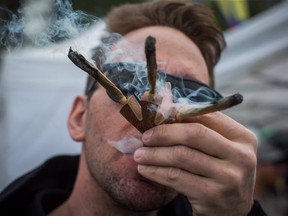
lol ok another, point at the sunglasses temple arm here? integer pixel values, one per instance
(150, 52)
(221, 104)
(83, 64)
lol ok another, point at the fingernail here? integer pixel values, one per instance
(147, 135)
(138, 154)
(141, 168)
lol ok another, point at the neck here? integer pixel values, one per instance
(88, 199)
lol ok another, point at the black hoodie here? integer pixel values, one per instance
(45, 188)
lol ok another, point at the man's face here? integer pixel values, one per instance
(112, 170)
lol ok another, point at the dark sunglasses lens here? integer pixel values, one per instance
(192, 90)
(124, 76)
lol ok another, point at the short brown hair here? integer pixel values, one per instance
(195, 21)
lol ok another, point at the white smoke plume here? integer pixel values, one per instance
(43, 22)
(127, 145)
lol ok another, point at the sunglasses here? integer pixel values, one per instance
(131, 79)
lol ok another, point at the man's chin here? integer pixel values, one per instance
(144, 196)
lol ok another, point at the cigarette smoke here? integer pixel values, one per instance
(43, 22)
(114, 59)
(127, 145)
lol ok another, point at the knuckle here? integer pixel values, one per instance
(200, 130)
(248, 159)
(252, 161)
(173, 174)
(160, 131)
(232, 183)
(248, 138)
(179, 154)
(212, 195)
(151, 170)
(233, 177)
(252, 140)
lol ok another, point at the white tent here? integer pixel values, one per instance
(256, 65)
(37, 88)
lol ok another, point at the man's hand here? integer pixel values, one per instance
(211, 159)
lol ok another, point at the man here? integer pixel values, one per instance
(205, 164)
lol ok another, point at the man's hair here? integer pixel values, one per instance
(196, 21)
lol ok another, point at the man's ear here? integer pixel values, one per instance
(76, 120)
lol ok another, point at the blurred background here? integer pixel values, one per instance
(38, 82)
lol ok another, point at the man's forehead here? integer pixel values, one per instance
(162, 34)
(175, 52)
(170, 43)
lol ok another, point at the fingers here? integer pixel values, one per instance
(214, 134)
(182, 157)
(192, 161)
(193, 135)
(211, 159)
(223, 125)
(207, 196)
(177, 179)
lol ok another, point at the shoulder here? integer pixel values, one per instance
(57, 173)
